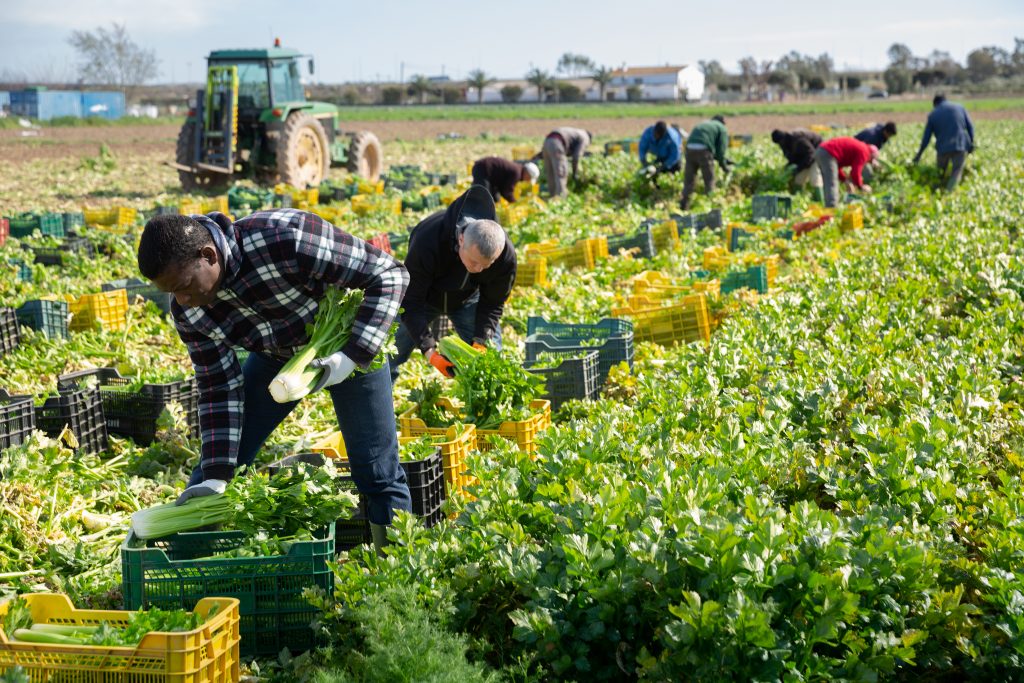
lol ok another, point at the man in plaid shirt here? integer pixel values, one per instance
(255, 284)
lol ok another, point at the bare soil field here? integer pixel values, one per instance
(60, 143)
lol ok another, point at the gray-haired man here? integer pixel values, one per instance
(461, 264)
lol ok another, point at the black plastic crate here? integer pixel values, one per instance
(643, 240)
(426, 485)
(612, 338)
(573, 378)
(9, 337)
(80, 409)
(17, 419)
(49, 317)
(711, 219)
(134, 413)
(136, 287)
(348, 532)
(55, 256)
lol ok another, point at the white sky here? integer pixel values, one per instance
(371, 40)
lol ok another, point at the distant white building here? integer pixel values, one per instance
(659, 82)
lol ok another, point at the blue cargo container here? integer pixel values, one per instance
(43, 104)
(106, 104)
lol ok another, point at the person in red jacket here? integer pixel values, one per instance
(837, 154)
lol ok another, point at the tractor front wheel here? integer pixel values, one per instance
(302, 156)
(365, 157)
(191, 182)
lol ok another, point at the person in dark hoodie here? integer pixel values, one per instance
(461, 264)
(954, 138)
(501, 176)
(798, 147)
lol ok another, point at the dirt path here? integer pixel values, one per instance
(61, 143)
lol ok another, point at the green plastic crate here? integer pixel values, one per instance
(177, 572)
(23, 225)
(49, 317)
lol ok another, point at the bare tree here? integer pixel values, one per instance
(110, 57)
(479, 80)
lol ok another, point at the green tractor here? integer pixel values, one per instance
(253, 121)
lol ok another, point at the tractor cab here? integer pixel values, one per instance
(253, 120)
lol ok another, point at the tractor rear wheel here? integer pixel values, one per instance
(302, 152)
(365, 157)
(183, 155)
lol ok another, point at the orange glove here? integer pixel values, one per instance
(443, 365)
(479, 347)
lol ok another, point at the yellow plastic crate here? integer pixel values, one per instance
(110, 309)
(853, 218)
(686, 321)
(331, 446)
(524, 153)
(820, 129)
(215, 204)
(658, 286)
(365, 204)
(771, 264)
(208, 654)
(190, 207)
(455, 448)
(717, 258)
(666, 236)
(532, 273)
(300, 198)
(525, 188)
(522, 432)
(118, 215)
(332, 213)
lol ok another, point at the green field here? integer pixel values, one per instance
(642, 110)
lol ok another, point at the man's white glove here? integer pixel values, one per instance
(210, 487)
(336, 367)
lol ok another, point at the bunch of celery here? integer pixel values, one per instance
(291, 501)
(328, 334)
(492, 388)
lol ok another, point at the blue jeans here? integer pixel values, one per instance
(366, 415)
(463, 320)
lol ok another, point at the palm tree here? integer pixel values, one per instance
(421, 86)
(539, 79)
(479, 80)
(602, 76)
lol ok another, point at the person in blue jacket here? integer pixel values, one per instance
(954, 138)
(665, 143)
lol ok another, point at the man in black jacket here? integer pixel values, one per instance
(461, 264)
(798, 147)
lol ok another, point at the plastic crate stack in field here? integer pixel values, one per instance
(658, 286)
(9, 335)
(132, 410)
(118, 216)
(24, 224)
(80, 410)
(57, 256)
(524, 153)
(17, 419)
(366, 204)
(767, 207)
(73, 220)
(137, 289)
(177, 572)
(612, 338)
(583, 253)
(754, 277)
(49, 317)
(666, 236)
(109, 310)
(853, 218)
(532, 273)
(293, 197)
(684, 321)
(573, 378)
(522, 432)
(456, 442)
(640, 243)
(208, 654)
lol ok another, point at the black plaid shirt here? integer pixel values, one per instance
(275, 272)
